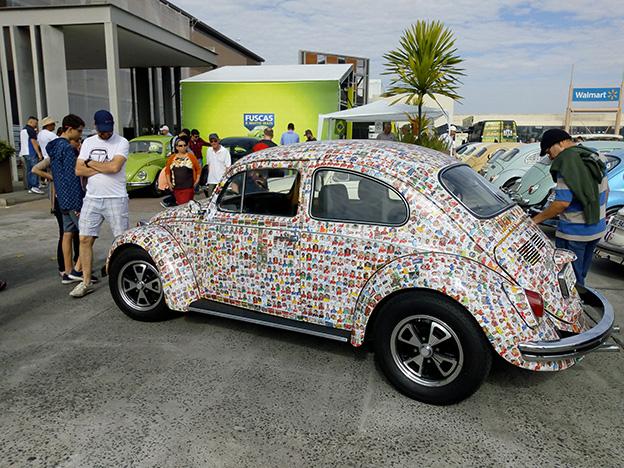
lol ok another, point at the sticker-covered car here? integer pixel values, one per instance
(388, 243)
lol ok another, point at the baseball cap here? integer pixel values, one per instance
(165, 128)
(213, 136)
(552, 137)
(47, 121)
(103, 121)
(452, 128)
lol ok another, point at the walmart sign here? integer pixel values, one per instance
(596, 94)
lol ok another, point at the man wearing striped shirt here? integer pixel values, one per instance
(580, 197)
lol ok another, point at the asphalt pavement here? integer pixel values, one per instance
(83, 385)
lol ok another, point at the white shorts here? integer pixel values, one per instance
(95, 210)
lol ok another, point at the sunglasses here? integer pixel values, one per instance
(214, 141)
(181, 145)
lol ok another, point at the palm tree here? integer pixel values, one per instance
(425, 64)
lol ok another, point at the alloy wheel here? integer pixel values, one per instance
(426, 350)
(139, 285)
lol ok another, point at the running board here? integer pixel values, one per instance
(218, 309)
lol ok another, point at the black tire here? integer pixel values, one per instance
(463, 341)
(124, 270)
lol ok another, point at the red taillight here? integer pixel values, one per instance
(536, 302)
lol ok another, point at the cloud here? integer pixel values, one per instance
(518, 52)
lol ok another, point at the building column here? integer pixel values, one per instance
(167, 95)
(177, 75)
(6, 120)
(23, 70)
(141, 80)
(54, 71)
(112, 71)
(156, 97)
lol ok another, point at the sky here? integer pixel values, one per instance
(517, 54)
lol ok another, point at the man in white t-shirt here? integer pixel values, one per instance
(102, 159)
(218, 160)
(30, 151)
(46, 135)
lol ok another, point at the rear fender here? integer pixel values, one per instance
(481, 291)
(178, 278)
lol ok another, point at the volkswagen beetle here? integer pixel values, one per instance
(380, 242)
(147, 155)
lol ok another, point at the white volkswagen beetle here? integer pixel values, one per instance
(379, 241)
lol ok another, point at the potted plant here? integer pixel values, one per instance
(6, 181)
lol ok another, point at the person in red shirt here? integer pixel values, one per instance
(182, 171)
(196, 144)
(266, 142)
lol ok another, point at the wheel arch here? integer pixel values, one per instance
(369, 332)
(180, 285)
(478, 289)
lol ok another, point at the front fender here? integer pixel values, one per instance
(481, 291)
(178, 278)
(151, 170)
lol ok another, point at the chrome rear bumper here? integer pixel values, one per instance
(575, 346)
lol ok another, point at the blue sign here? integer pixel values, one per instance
(596, 94)
(251, 121)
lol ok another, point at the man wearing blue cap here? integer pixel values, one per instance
(102, 160)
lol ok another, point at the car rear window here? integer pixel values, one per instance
(480, 197)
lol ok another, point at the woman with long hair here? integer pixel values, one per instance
(182, 171)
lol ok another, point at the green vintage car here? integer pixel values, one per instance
(147, 156)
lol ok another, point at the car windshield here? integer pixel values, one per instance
(145, 146)
(474, 192)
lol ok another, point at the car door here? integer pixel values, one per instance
(253, 260)
(351, 232)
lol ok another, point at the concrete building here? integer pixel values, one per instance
(61, 56)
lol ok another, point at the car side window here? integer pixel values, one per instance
(230, 198)
(271, 192)
(346, 196)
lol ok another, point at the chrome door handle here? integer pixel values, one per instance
(288, 237)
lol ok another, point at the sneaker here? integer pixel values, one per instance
(77, 276)
(66, 279)
(36, 190)
(82, 290)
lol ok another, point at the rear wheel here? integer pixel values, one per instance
(136, 286)
(430, 348)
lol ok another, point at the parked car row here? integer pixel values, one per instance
(519, 171)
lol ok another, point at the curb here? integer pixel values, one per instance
(15, 198)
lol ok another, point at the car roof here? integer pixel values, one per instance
(392, 157)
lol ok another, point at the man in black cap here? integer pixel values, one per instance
(580, 197)
(102, 160)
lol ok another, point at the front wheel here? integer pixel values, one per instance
(136, 286)
(431, 349)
